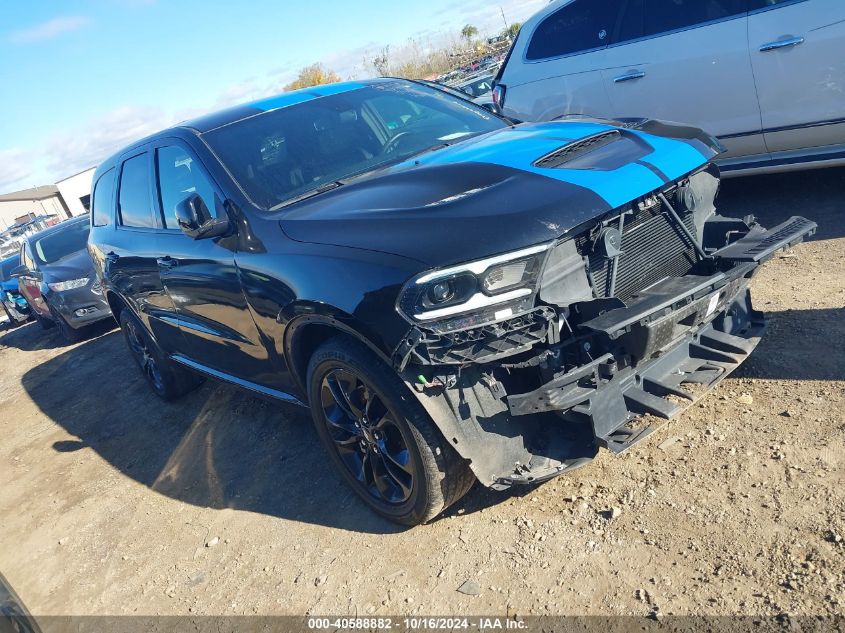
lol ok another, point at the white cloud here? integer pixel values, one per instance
(15, 169)
(49, 29)
(101, 136)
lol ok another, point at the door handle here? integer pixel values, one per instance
(167, 262)
(787, 43)
(629, 76)
(112, 257)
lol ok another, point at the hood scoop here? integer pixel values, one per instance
(595, 152)
(569, 152)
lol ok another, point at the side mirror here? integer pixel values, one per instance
(196, 222)
(19, 271)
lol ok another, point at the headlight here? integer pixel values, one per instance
(61, 286)
(487, 287)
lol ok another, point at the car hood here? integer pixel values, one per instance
(487, 195)
(71, 266)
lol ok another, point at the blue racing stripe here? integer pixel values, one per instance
(519, 148)
(328, 90)
(282, 101)
(306, 94)
(672, 157)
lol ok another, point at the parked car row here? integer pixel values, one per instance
(53, 280)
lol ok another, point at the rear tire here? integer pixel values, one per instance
(379, 437)
(167, 379)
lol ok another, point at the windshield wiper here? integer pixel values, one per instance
(328, 186)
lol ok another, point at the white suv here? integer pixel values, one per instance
(767, 77)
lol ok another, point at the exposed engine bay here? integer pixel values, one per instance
(592, 340)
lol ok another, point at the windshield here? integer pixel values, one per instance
(287, 153)
(7, 265)
(62, 242)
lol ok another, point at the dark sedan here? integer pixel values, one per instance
(57, 278)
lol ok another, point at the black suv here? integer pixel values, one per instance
(454, 296)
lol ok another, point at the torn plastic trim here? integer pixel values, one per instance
(613, 400)
(501, 450)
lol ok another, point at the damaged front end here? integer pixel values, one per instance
(529, 362)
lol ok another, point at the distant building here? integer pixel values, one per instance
(32, 203)
(76, 191)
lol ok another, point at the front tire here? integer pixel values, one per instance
(44, 322)
(167, 379)
(68, 334)
(379, 437)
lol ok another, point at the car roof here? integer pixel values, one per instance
(77, 219)
(214, 120)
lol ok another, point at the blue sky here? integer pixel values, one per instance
(82, 77)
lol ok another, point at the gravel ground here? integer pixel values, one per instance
(116, 503)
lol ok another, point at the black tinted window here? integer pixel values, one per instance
(644, 18)
(179, 176)
(70, 238)
(103, 199)
(580, 26)
(135, 204)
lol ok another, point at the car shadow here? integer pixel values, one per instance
(30, 336)
(818, 195)
(218, 447)
(800, 345)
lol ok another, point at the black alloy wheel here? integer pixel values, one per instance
(379, 437)
(167, 379)
(142, 352)
(367, 439)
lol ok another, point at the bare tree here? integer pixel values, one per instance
(313, 75)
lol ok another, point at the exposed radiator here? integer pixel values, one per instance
(653, 247)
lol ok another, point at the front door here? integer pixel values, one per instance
(687, 61)
(201, 277)
(798, 53)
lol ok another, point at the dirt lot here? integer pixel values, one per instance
(113, 502)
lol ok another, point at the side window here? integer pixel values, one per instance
(579, 26)
(103, 199)
(644, 18)
(179, 176)
(134, 198)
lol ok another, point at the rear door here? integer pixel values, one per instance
(687, 61)
(201, 277)
(131, 250)
(555, 68)
(798, 53)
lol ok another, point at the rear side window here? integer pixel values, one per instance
(644, 18)
(580, 26)
(134, 203)
(103, 199)
(179, 176)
